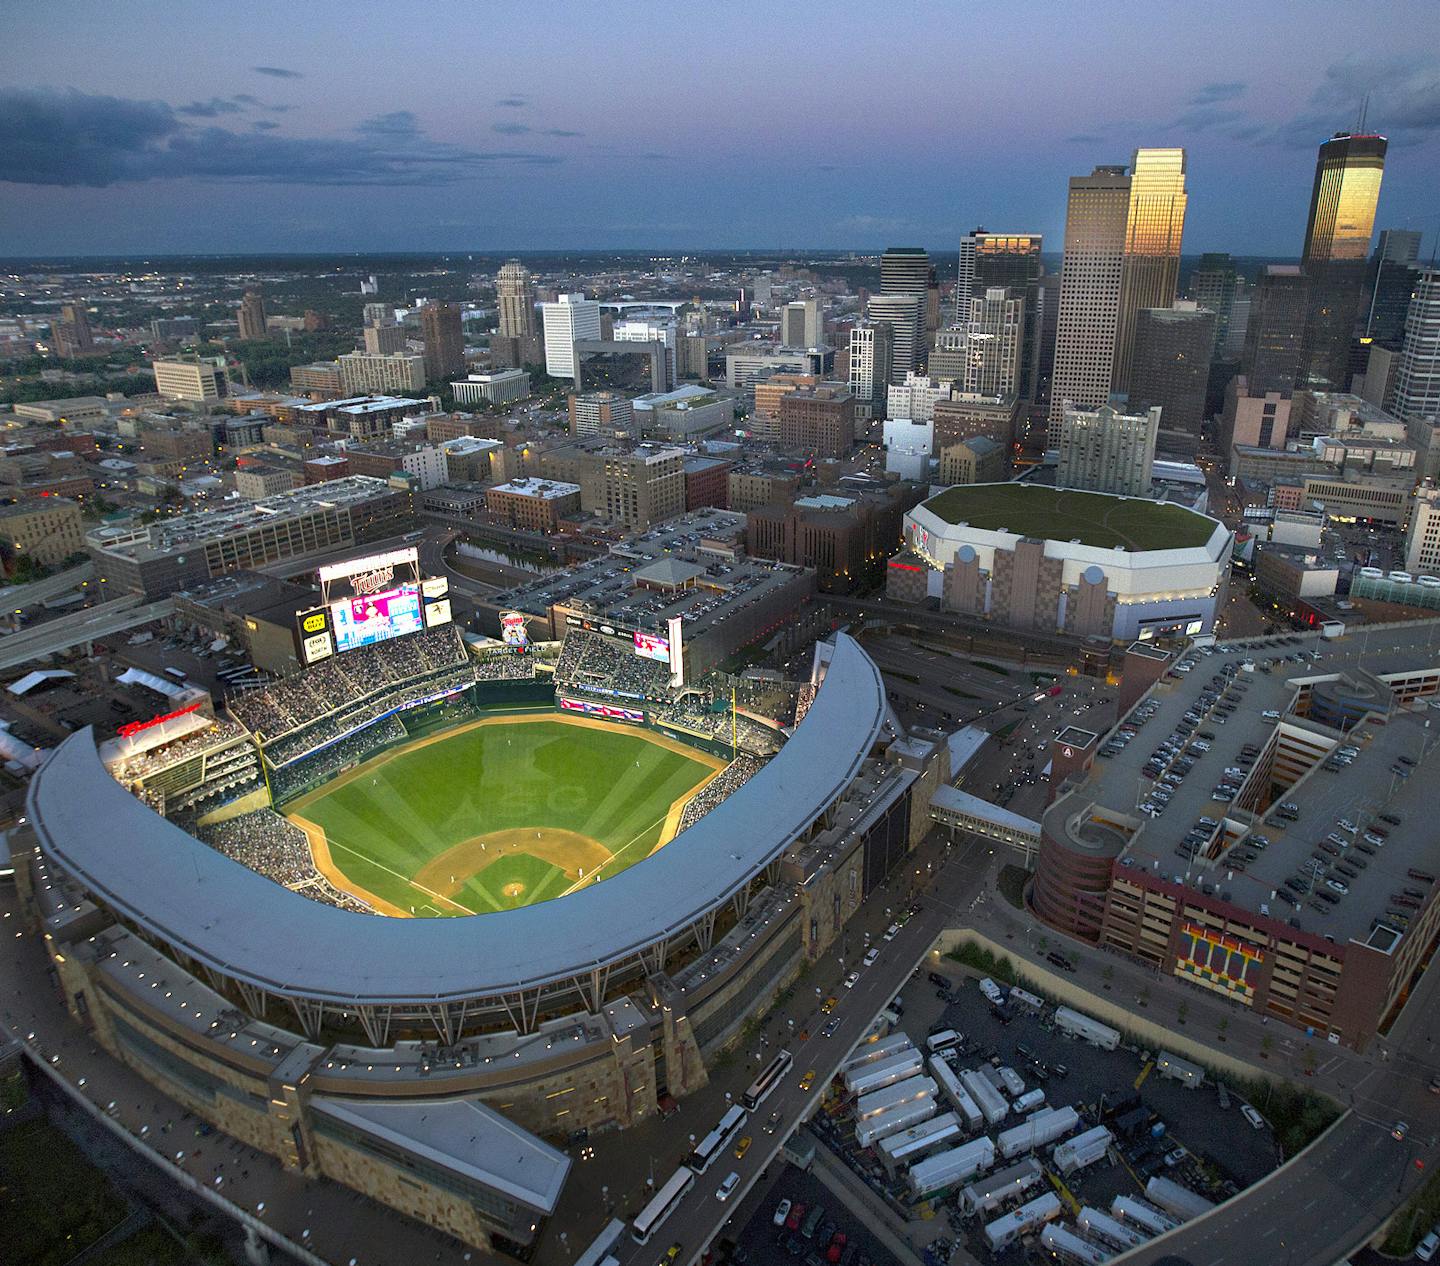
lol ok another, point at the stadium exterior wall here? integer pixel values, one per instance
(553, 1058)
(988, 573)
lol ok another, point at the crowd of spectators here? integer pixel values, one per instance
(728, 781)
(350, 750)
(336, 683)
(506, 667)
(593, 663)
(144, 764)
(277, 849)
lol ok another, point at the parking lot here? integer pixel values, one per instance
(763, 1243)
(1179, 1133)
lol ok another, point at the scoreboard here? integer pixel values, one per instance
(369, 600)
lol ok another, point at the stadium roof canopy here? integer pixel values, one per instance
(252, 929)
(1134, 524)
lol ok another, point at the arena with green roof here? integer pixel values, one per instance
(1061, 514)
(1028, 556)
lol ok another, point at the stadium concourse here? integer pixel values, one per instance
(211, 953)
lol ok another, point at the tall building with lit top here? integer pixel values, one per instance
(1122, 254)
(1008, 261)
(1348, 172)
(1155, 223)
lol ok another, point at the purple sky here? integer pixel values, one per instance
(489, 126)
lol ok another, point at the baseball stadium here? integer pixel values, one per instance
(425, 888)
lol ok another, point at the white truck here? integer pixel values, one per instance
(1039, 1129)
(946, 1169)
(1084, 1149)
(959, 1097)
(1189, 1075)
(1003, 1232)
(1083, 1027)
(1174, 1198)
(990, 1101)
(1066, 1246)
(883, 1072)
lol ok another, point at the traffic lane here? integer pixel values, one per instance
(699, 1216)
(759, 1235)
(1308, 1212)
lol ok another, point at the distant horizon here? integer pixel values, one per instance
(241, 130)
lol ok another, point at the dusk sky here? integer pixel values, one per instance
(317, 126)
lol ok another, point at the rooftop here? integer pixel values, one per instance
(465, 1137)
(1356, 792)
(542, 489)
(233, 919)
(1097, 519)
(185, 531)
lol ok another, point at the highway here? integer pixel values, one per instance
(18, 597)
(79, 628)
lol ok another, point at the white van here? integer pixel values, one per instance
(942, 1041)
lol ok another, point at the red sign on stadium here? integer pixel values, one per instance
(134, 727)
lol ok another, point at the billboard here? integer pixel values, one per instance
(315, 640)
(437, 613)
(370, 576)
(611, 712)
(371, 618)
(513, 631)
(650, 646)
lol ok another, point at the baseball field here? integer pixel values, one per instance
(500, 813)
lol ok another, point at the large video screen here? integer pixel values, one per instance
(652, 647)
(363, 621)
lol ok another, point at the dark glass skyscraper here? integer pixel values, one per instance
(1275, 336)
(1348, 172)
(1004, 261)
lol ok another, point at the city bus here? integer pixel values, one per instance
(718, 1140)
(600, 1248)
(761, 1087)
(662, 1206)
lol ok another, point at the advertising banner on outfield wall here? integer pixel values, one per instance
(610, 711)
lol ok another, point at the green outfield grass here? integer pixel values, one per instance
(408, 826)
(1092, 518)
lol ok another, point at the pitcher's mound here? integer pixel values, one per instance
(577, 855)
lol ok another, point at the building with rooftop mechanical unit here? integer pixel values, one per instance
(156, 559)
(1283, 859)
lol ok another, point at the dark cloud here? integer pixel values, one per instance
(264, 125)
(1202, 118)
(1211, 93)
(277, 72)
(558, 131)
(1404, 94)
(71, 138)
(211, 109)
(512, 103)
(398, 123)
(511, 129)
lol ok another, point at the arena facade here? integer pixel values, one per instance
(193, 935)
(1056, 560)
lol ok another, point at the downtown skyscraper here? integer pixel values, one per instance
(1122, 254)
(1348, 171)
(905, 270)
(1008, 261)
